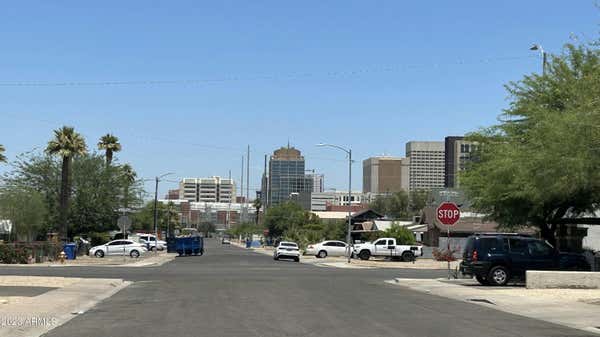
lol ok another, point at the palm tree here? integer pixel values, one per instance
(128, 175)
(109, 143)
(2, 156)
(67, 144)
(257, 204)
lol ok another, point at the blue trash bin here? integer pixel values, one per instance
(70, 250)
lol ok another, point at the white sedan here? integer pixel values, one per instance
(118, 247)
(287, 249)
(327, 248)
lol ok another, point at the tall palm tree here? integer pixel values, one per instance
(109, 143)
(128, 175)
(2, 156)
(257, 204)
(66, 144)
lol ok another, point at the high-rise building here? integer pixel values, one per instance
(385, 174)
(458, 154)
(318, 182)
(212, 189)
(286, 178)
(426, 169)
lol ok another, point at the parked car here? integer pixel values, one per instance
(327, 248)
(287, 249)
(495, 259)
(387, 247)
(225, 241)
(151, 242)
(118, 247)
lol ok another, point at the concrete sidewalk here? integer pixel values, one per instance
(576, 308)
(147, 260)
(36, 315)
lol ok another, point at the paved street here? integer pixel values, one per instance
(233, 292)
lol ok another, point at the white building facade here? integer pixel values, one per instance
(320, 201)
(427, 160)
(212, 189)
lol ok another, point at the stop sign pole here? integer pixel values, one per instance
(448, 214)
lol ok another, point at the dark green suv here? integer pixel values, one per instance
(495, 259)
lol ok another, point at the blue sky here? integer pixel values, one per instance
(370, 75)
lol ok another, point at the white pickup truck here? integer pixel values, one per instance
(387, 247)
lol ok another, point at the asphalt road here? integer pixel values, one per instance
(233, 292)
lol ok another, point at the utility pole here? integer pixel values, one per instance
(248, 174)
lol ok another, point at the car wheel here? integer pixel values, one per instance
(408, 256)
(153, 248)
(99, 253)
(498, 276)
(482, 280)
(275, 258)
(135, 254)
(297, 259)
(364, 255)
(322, 254)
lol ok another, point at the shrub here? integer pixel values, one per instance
(97, 238)
(403, 235)
(444, 255)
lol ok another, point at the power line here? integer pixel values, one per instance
(293, 76)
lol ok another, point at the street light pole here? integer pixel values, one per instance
(155, 217)
(157, 179)
(544, 56)
(348, 236)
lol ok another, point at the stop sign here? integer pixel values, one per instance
(448, 213)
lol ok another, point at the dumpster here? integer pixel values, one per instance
(70, 250)
(189, 245)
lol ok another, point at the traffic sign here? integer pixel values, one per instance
(448, 213)
(124, 223)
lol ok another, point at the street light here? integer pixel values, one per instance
(535, 47)
(349, 153)
(157, 179)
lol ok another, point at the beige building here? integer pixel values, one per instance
(212, 189)
(427, 161)
(385, 174)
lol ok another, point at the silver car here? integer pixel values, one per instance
(118, 247)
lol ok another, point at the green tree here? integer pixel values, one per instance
(66, 144)
(170, 217)
(128, 176)
(403, 235)
(143, 219)
(206, 227)
(541, 162)
(2, 156)
(26, 209)
(110, 144)
(379, 204)
(394, 205)
(95, 189)
(397, 205)
(96, 195)
(418, 201)
(287, 215)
